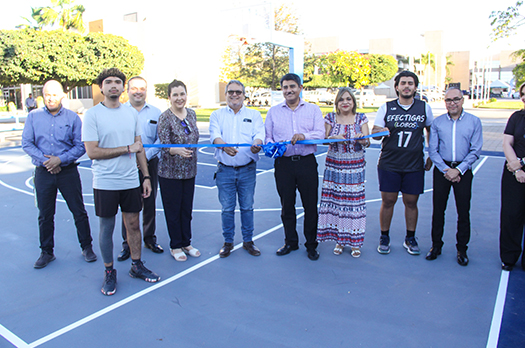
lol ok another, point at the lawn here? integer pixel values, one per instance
(203, 115)
(513, 105)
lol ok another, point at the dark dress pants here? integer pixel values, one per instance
(148, 212)
(46, 186)
(177, 199)
(298, 173)
(462, 195)
(512, 219)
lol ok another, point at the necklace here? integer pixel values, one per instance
(345, 119)
(180, 117)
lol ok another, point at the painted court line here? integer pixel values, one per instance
(497, 316)
(138, 294)
(11, 337)
(493, 336)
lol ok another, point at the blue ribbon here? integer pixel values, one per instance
(272, 149)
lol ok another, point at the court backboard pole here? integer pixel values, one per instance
(295, 43)
(255, 23)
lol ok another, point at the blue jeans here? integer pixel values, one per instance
(233, 182)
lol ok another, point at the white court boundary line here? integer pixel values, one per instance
(493, 335)
(497, 316)
(12, 338)
(143, 292)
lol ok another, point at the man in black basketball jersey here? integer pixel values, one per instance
(401, 165)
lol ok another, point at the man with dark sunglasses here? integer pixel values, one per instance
(235, 175)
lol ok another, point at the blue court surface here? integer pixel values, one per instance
(394, 300)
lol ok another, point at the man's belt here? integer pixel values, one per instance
(236, 167)
(453, 164)
(296, 158)
(69, 166)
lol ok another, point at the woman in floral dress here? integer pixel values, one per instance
(342, 212)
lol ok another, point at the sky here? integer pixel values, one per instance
(465, 23)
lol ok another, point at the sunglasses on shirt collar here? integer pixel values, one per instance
(186, 127)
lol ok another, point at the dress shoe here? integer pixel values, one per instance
(44, 260)
(251, 248)
(462, 258)
(313, 254)
(433, 253)
(157, 249)
(226, 250)
(286, 249)
(89, 255)
(507, 267)
(123, 255)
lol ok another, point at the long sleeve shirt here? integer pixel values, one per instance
(282, 123)
(54, 135)
(458, 140)
(149, 118)
(236, 128)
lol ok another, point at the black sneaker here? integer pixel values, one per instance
(44, 260)
(411, 246)
(109, 286)
(384, 245)
(139, 271)
(88, 254)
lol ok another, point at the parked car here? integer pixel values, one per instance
(516, 95)
(421, 97)
(262, 99)
(319, 96)
(367, 97)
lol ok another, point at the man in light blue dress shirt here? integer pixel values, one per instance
(52, 138)
(456, 139)
(235, 176)
(148, 118)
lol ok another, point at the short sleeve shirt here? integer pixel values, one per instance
(113, 128)
(516, 128)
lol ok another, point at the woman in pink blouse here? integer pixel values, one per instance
(177, 170)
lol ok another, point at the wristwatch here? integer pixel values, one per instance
(522, 162)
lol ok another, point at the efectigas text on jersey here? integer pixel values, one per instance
(406, 121)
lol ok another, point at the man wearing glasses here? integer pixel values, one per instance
(148, 118)
(235, 175)
(456, 139)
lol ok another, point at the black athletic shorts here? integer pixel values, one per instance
(108, 201)
(411, 182)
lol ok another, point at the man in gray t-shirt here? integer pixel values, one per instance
(111, 133)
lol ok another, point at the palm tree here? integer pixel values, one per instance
(448, 64)
(62, 12)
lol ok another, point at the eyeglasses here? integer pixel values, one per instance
(455, 100)
(230, 93)
(186, 127)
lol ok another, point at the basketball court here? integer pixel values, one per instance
(394, 300)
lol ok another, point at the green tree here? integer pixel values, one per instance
(506, 23)
(382, 67)
(519, 69)
(345, 68)
(31, 56)
(261, 64)
(63, 13)
(161, 90)
(311, 78)
(449, 63)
